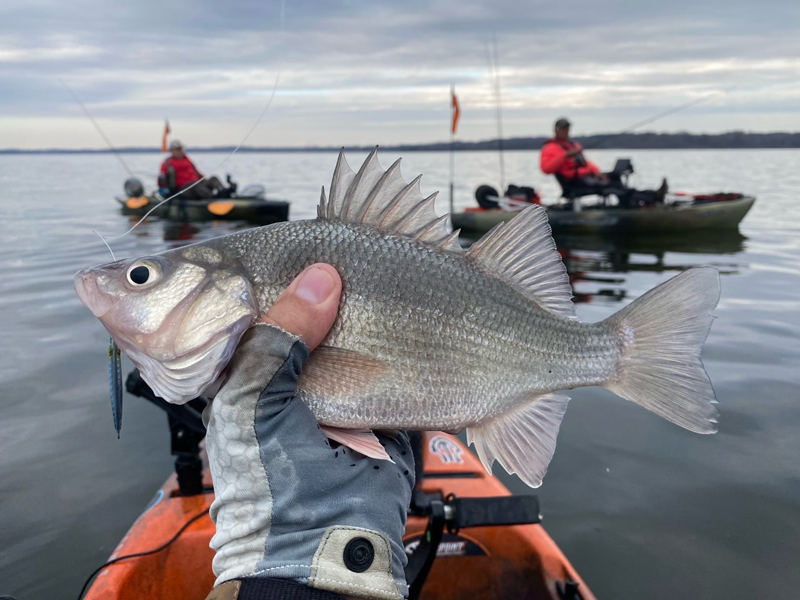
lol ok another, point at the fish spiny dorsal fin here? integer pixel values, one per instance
(522, 251)
(342, 176)
(359, 190)
(382, 199)
(322, 209)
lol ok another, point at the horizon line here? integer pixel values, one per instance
(517, 143)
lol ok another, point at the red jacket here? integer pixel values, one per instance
(553, 160)
(183, 171)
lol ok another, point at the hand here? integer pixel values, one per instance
(290, 509)
(309, 305)
(602, 177)
(575, 152)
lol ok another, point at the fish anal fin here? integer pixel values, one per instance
(360, 440)
(382, 199)
(523, 439)
(348, 371)
(522, 251)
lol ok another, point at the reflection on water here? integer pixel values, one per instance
(587, 257)
(179, 232)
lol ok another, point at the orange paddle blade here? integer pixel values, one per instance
(220, 208)
(136, 202)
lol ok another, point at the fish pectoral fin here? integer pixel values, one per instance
(348, 371)
(523, 439)
(360, 440)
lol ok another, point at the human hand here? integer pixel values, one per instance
(575, 152)
(602, 177)
(289, 507)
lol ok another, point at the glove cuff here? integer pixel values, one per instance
(257, 588)
(355, 562)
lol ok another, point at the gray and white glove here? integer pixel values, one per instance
(289, 503)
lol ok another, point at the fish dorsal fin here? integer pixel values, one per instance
(382, 199)
(522, 251)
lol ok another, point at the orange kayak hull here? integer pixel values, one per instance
(519, 561)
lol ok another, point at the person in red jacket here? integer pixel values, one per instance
(178, 172)
(578, 176)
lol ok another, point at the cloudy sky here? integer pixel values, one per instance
(379, 72)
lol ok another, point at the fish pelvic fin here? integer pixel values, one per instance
(383, 200)
(661, 334)
(363, 441)
(523, 439)
(522, 252)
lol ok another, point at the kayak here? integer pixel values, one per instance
(254, 209)
(688, 213)
(483, 553)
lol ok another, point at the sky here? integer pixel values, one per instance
(379, 72)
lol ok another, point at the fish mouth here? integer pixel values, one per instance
(88, 292)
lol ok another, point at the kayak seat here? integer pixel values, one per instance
(570, 191)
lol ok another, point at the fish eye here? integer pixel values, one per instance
(139, 274)
(142, 273)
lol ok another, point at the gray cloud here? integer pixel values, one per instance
(380, 71)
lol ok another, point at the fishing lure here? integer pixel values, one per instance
(115, 383)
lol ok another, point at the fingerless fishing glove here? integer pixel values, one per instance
(289, 503)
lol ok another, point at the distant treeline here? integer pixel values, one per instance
(632, 141)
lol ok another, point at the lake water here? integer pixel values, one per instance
(641, 507)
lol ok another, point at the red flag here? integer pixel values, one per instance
(456, 112)
(164, 139)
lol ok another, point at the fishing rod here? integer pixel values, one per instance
(98, 128)
(654, 118)
(494, 75)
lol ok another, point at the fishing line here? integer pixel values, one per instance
(202, 179)
(97, 233)
(205, 177)
(140, 554)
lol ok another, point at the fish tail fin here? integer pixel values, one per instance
(662, 333)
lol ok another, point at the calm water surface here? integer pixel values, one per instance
(642, 508)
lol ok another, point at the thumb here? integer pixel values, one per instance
(308, 307)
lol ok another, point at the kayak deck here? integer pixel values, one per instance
(517, 561)
(255, 210)
(656, 219)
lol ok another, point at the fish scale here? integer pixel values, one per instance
(515, 335)
(428, 336)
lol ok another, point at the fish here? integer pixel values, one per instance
(429, 336)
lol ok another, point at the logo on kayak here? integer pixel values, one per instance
(447, 450)
(451, 545)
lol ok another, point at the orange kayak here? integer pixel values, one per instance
(474, 559)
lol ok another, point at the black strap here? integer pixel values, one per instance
(420, 563)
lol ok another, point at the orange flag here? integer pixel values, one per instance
(166, 134)
(456, 111)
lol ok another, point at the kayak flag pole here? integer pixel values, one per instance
(164, 137)
(455, 114)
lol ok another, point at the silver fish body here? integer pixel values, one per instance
(428, 336)
(458, 344)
